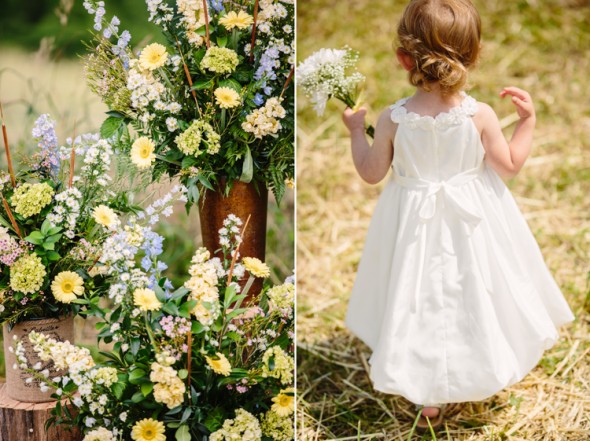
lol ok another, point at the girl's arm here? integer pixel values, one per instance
(372, 163)
(508, 158)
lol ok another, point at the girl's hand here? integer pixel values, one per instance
(354, 120)
(522, 100)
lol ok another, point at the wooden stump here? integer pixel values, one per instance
(21, 421)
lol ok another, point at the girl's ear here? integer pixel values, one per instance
(405, 59)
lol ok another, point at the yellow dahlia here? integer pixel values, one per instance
(142, 152)
(256, 267)
(148, 429)
(104, 216)
(284, 402)
(220, 365)
(67, 286)
(241, 20)
(146, 299)
(153, 56)
(226, 97)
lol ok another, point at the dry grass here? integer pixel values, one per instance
(539, 45)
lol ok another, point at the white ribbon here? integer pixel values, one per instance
(454, 199)
(449, 190)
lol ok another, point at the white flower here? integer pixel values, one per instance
(172, 124)
(322, 75)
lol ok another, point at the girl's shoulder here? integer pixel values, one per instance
(468, 107)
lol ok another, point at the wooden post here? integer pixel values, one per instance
(21, 421)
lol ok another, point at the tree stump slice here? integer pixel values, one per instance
(20, 421)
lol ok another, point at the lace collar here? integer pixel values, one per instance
(454, 116)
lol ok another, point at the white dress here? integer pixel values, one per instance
(452, 294)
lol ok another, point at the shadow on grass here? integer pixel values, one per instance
(337, 401)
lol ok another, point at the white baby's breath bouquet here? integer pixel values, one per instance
(323, 75)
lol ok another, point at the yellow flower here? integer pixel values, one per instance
(30, 199)
(146, 299)
(27, 274)
(104, 216)
(148, 430)
(256, 267)
(226, 97)
(153, 56)
(220, 366)
(142, 152)
(241, 20)
(290, 183)
(284, 402)
(67, 286)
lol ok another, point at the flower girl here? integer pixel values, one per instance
(452, 294)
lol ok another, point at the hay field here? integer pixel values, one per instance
(540, 45)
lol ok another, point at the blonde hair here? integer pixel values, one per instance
(443, 38)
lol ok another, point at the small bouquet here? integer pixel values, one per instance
(187, 363)
(52, 225)
(323, 75)
(211, 106)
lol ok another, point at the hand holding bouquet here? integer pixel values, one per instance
(322, 76)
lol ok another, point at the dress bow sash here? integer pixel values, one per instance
(450, 192)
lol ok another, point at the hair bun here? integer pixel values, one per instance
(443, 38)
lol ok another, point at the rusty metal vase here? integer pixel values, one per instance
(243, 200)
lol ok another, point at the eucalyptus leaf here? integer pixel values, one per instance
(247, 167)
(183, 433)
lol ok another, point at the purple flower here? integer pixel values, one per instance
(44, 133)
(258, 99)
(216, 4)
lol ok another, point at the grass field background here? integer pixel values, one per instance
(540, 45)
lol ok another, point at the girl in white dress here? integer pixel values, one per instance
(452, 294)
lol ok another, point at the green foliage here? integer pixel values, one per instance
(27, 27)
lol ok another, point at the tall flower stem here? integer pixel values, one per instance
(188, 77)
(72, 158)
(289, 78)
(11, 217)
(207, 38)
(235, 256)
(7, 149)
(253, 32)
(189, 362)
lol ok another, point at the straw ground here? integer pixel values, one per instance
(541, 46)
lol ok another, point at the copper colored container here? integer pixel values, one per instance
(243, 200)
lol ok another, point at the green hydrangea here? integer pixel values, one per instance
(199, 133)
(30, 199)
(282, 296)
(220, 60)
(277, 427)
(27, 274)
(283, 365)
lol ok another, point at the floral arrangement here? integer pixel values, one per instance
(323, 75)
(215, 103)
(52, 224)
(188, 363)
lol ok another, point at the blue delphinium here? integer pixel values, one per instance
(48, 159)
